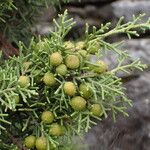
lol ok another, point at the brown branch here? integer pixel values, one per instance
(7, 48)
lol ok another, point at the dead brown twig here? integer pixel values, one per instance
(7, 48)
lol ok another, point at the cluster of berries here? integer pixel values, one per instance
(47, 117)
(72, 61)
(68, 65)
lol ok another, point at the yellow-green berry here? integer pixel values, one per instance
(69, 88)
(41, 143)
(69, 45)
(72, 61)
(56, 130)
(24, 81)
(47, 117)
(49, 79)
(96, 110)
(101, 67)
(80, 45)
(55, 59)
(30, 141)
(61, 69)
(78, 103)
(85, 90)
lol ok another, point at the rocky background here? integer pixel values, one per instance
(132, 133)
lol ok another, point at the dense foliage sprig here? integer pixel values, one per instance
(53, 91)
(18, 17)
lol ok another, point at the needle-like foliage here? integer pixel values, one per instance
(95, 90)
(18, 17)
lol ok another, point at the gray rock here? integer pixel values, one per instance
(131, 133)
(138, 89)
(127, 8)
(95, 14)
(138, 48)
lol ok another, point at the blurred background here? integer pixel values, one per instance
(132, 133)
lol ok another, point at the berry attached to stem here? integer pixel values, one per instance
(55, 59)
(24, 81)
(69, 88)
(100, 67)
(78, 103)
(30, 141)
(72, 61)
(47, 117)
(41, 143)
(49, 79)
(85, 91)
(96, 110)
(69, 45)
(61, 69)
(80, 45)
(56, 130)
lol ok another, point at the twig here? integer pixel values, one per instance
(7, 48)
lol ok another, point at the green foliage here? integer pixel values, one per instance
(5, 5)
(18, 16)
(24, 118)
